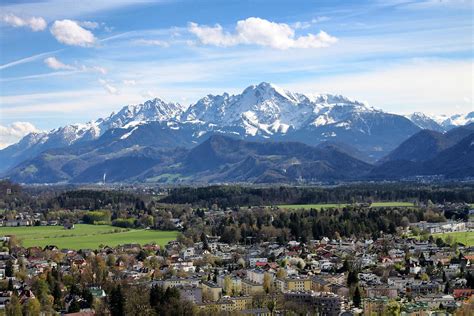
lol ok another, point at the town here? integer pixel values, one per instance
(359, 259)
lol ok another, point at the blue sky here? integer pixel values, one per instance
(73, 61)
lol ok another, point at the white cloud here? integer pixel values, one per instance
(108, 87)
(261, 32)
(12, 133)
(54, 63)
(34, 23)
(152, 42)
(71, 33)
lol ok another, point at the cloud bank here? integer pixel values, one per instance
(257, 31)
(34, 23)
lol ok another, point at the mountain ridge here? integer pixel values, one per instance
(260, 113)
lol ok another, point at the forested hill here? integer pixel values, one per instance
(227, 196)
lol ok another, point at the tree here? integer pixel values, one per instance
(281, 274)
(10, 284)
(137, 302)
(156, 295)
(446, 288)
(393, 308)
(205, 244)
(357, 299)
(228, 285)
(141, 255)
(470, 280)
(214, 278)
(14, 307)
(425, 277)
(74, 307)
(9, 268)
(267, 282)
(116, 303)
(110, 261)
(352, 278)
(57, 294)
(42, 292)
(32, 307)
(271, 306)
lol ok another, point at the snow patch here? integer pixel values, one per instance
(125, 136)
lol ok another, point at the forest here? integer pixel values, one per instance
(228, 196)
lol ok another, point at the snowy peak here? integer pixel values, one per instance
(450, 122)
(263, 110)
(267, 91)
(151, 110)
(266, 109)
(423, 121)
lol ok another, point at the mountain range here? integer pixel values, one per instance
(265, 134)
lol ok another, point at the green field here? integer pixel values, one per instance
(466, 238)
(86, 236)
(310, 206)
(319, 206)
(392, 204)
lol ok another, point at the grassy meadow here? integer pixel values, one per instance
(86, 236)
(466, 238)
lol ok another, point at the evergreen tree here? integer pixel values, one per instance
(357, 299)
(9, 268)
(156, 295)
(57, 294)
(470, 281)
(116, 303)
(446, 288)
(10, 284)
(352, 278)
(214, 278)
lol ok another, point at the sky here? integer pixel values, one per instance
(64, 61)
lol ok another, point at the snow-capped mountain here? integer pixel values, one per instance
(423, 121)
(266, 109)
(154, 110)
(455, 120)
(262, 111)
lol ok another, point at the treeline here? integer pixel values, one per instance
(265, 224)
(231, 196)
(97, 199)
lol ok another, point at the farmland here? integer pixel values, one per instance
(319, 206)
(85, 236)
